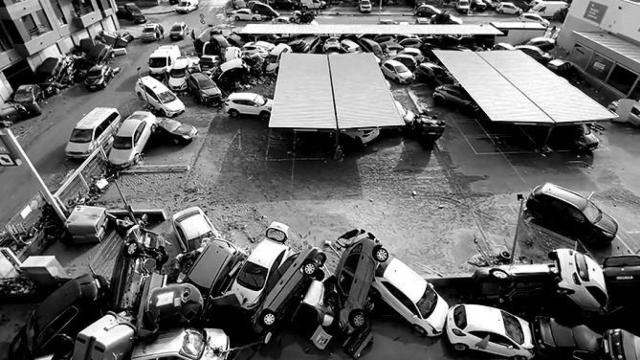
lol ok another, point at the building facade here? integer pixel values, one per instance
(32, 30)
(602, 37)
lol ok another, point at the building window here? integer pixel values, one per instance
(82, 7)
(30, 24)
(37, 25)
(622, 79)
(57, 9)
(13, 32)
(43, 22)
(581, 56)
(5, 43)
(599, 67)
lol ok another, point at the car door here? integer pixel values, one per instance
(139, 138)
(242, 106)
(499, 344)
(151, 97)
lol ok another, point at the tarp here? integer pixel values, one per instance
(311, 29)
(510, 86)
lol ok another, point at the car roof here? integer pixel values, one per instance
(484, 318)
(266, 253)
(82, 287)
(167, 342)
(94, 117)
(394, 63)
(242, 96)
(128, 127)
(207, 266)
(405, 279)
(153, 83)
(561, 193)
(192, 221)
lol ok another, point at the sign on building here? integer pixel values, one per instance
(595, 12)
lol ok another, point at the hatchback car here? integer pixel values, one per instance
(98, 77)
(261, 48)
(571, 215)
(159, 97)
(169, 305)
(185, 7)
(246, 15)
(413, 52)
(508, 8)
(175, 132)
(489, 330)
(131, 139)
(454, 95)
(192, 226)
(215, 268)
(411, 296)
(248, 104)
(533, 17)
(178, 31)
(355, 273)
(397, 71)
(622, 275)
(204, 90)
(581, 279)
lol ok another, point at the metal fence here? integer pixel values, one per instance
(78, 185)
(22, 226)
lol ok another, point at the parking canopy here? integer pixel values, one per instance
(357, 29)
(512, 87)
(337, 91)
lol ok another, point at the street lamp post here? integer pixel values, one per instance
(379, 10)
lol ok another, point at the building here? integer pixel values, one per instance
(602, 37)
(32, 30)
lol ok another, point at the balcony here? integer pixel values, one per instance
(40, 39)
(85, 16)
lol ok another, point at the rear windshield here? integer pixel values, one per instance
(252, 276)
(157, 62)
(582, 267)
(81, 135)
(178, 73)
(512, 327)
(122, 142)
(460, 317)
(427, 302)
(149, 30)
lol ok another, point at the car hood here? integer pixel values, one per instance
(185, 129)
(73, 147)
(176, 81)
(218, 345)
(439, 314)
(247, 298)
(175, 105)
(608, 224)
(120, 156)
(211, 92)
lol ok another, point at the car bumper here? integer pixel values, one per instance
(174, 113)
(76, 156)
(95, 86)
(182, 87)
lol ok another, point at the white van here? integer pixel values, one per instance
(547, 9)
(178, 75)
(162, 59)
(312, 4)
(273, 60)
(463, 6)
(159, 97)
(94, 130)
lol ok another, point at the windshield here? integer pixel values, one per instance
(252, 276)
(512, 327)
(122, 142)
(166, 97)
(81, 135)
(401, 68)
(176, 28)
(156, 62)
(592, 212)
(184, 4)
(259, 100)
(206, 85)
(428, 302)
(192, 345)
(94, 73)
(23, 93)
(178, 73)
(149, 30)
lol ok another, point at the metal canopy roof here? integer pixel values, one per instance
(308, 29)
(338, 91)
(512, 87)
(518, 25)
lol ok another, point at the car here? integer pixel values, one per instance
(12, 112)
(192, 227)
(176, 78)
(263, 9)
(577, 137)
(561, 341)
(491, 4)
(411, 296)
(454, 95)
(184, 344)
(350, 46)
(215, 267)
(391, 47)
(168, 305)
(159, 97)
(204, 89)
(622, 276)
(508, 8)
(432, 73)
(407, 60)
(98, 77)
(246, 15)
(536, 53)
(281, 20)
(413, 52)
(503, 46)
(262, 48)
(208, 63)
(29, 96)
(285, 5)
(397, 71)
(478, 5)
(187, 6)
(238, 4)
(359, 138)
(291, 281)
(364, 6)
(590, 289)
(332, 44)
(175, 132)
(131, 12)
(178, 31)
(463, 6)
(354, 274)
(152, 32)
(446, 19)
(131, 139)
(411, 43)
(423, 126)
(248, 104)
(423, 21)
(543, 43)
(533, 17)
(64, 313)
(489, 330)
(571, 215)
(427, 11)
(260, 267)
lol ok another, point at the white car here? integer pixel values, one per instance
(159, 97)
(411, 296)
(590, 291)
(187, 6)
(246, 14)
(191, 227)
(533, 17)
(350, 46)
(490, 330)
(508, 8)
(407, 115)
(260, 266)
(131, 138)
(395, 70)
(232, 53)
(362, 136)
(413, 52)
(248, 104)
(177, 80)
(262, 48)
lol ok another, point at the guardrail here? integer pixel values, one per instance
(77, 185)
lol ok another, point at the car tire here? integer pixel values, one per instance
(309, 268)
(419, 330)
(265, 115)
(499, 274)
(268, 319)
(234, 113)
(253, 18)
(380, 253)
(319, 275)
(358, 318)
(460, 347)
(500, 11)
(237, 18)
(35, 109)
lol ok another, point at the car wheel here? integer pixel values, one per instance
(460, 347)
(265, 115)
(518, 357)
(358, 318)
(319, 275)
(137, 159)
(154, 128)
(234, 113)
(309, 268)
(237, 18)
(498, 274)
(499, 11)
(379, 253)
(268, 318)
(420, 330)
(132, 249)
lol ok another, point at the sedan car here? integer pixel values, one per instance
(536, 53)
(560, 341)
(176, 132)
(571, 215)
(178, 31)
(246, 15)
(533, 17)
(489, 330)
(204, 89)
(131, 139)
(411, 296)
(454, 95)
(397, 71)
(192, 227)
(508, 8)
(98, 77)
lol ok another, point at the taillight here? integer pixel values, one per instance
(457, 332)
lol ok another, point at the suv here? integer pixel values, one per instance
(204, 89)
(354, 275)
(249, 104)
(152, 32)
(571, 215)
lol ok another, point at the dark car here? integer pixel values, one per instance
(433, 73)
(63, 314)
(204, 89)
(285, 4)
(131, 12)
(263, 9)
(289, 285)
(54, 69)
(574, 137)
(543, 43)
(622, 275)
(478, 5)
(425, 126)
(536, 53)
(98, 77)
(512, 283)
(215, 268)
(169, 305)
(620, 344)
(560, 342)
(305, 44)
(176, 132)
(427, 11)
(12, 112)
(354, 275)
(29, 96)
(411, 42)
(371, 46)
(454, 95)
(572, 215)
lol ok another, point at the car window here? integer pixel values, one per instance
(138, 133)
(56, 325)
(401, 297)
(512, 327)
(150, 93)
(480, 334)
(114, 115)
(345, 281)
(352, 262)
(460, 317)
(500, 340)
(597, 294)
(635, 111)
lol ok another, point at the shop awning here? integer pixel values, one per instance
(356, 29)
(512, 87)
(624, 51)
